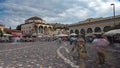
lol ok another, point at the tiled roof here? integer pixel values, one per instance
(12, 30)
(35, 18)
(1, 25)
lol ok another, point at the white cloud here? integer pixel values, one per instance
(75, 12)
(14, 12)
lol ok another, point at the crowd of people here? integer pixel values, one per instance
(100, 42)
(114, 38)
(26, 39)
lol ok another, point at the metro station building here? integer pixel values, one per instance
(94, 25)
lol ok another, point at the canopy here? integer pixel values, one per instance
(17, 34)
(7, 34)
(73, 34)
(60, 35)
(34, 34)
(113, 32)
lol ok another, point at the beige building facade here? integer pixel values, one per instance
(36, 26)
(94, 25)
(2, 27)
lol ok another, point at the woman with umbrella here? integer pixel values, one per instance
(100, 43)
(79, 52)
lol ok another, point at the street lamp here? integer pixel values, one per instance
(113, 12)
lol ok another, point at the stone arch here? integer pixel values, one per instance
(106, 28)
(82, 31)
(45, 29)
(97, 29)
(89, 30)
(41, 29)
(71, 31)
(77, 31)
(50, 28)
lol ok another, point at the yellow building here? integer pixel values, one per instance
(36, 26)
(1, 30)
(94, 25)
(2, 27)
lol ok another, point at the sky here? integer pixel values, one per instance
(15, 12)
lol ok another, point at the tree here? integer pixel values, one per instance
(66, 28)
(107, 28)
(8, 32)
(116, 27)
(18, 27)
(1, 32)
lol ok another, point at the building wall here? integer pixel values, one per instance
(93, 24)
(29, 27)
(2, 27)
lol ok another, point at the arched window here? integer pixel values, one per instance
(97, 29)
(71, 31)
(41, 29)
(45, 28)
(50, 28)
(76, 31)
(82, 31)
(89, 30)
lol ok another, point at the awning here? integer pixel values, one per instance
(113, 32)
(73, 34)
(7, 35)
(61, 35)
(17, 34)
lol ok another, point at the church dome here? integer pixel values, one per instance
(35, 18)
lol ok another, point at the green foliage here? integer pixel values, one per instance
(66, 28)
(8, 32)
(18, 27)
(1, 32)
(107, 28)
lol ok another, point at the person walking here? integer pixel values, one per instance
(100, 43)
(80, 51)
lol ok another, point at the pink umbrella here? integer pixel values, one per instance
(100, 42)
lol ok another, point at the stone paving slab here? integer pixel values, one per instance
(44, 55)
(31, 55)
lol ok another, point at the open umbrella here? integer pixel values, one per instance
(113, 32)
(60, 35)
(7, 35)
(73, 34)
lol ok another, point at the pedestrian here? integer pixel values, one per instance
(100, 43)
(80, 49)
(60, 40)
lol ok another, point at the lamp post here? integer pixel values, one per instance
(113, 12)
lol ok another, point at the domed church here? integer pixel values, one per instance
(36, 26)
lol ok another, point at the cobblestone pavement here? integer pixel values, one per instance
(48, 55)
(30, 55)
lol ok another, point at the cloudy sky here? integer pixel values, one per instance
(14, 12)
